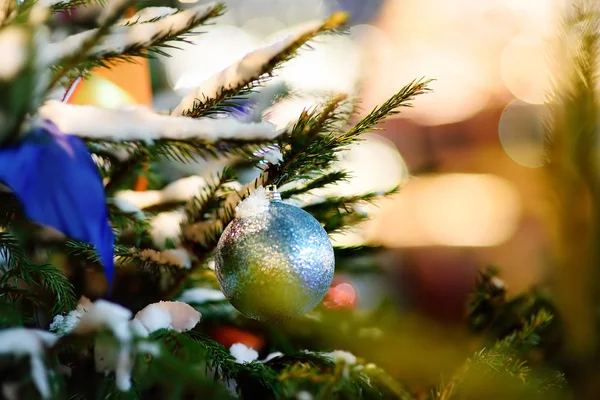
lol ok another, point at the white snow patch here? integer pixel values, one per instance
(201, 295)
(183, 189)
(250, 67)
(141, 200)
(177, 191)
(272, 356)
(128, 207)
(10, 391)
(103, 314)
(242, 353)
(31, 342)
(114, 317)
(137, 122)
(178, 257)
(174, 315)
(148, 14)
(111, 7)
(13, 47)
(304, 395)
(149, 348)
(64, 324)
(123, 37)
(341, 356)
(256, 203)
(285, 113)
(165, 226)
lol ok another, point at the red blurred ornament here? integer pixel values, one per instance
(229, 335)
(341, 296)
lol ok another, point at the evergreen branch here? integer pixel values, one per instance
(317, 183)
(11, 250)
(107, 44)
(251, 69)
(58, 285)
(90, 40)
(49, 278)
(160, 42)
(390, 107)
(305, 149)
(186, 150)
(503, 358)
(125, 170)
(68, 5)
(141, 124)
(124, 256)
(310, 146)
(122, 220)
(337, 213)
(573, 180)
(210, 198)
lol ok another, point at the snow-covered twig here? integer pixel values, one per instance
(121, 38)
(140, 123)
(31, 342)
(178, 257)
(177, 191)
(252, 66)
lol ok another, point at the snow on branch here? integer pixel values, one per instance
(252, 66)
(31, 342)
(177, 191)
(140, 123)
(122, 38)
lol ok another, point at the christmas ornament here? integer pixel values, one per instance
(54, 177)
(274, 261)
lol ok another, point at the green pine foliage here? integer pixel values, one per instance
(507, 348)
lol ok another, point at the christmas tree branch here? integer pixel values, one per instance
(502, 358)
(251, 69)
(208, 202)
(317, 183)
(573, 179)
(139, 123)
(70, 58)
(110, 43)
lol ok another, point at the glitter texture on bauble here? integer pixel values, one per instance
(274, 261)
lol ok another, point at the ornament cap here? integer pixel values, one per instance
(273, 194)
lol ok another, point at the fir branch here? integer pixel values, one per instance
(339, 212)
(308, 146)
(141, 124)
(54, 281)
(249, 71)
(210, 198)
(11, 250)
(108, 44)
(390, 107)
(573, 180)
(47, 277)
(90, 40)
(124, 256)
(317, 183)
(502, 358)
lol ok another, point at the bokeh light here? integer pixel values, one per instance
(468, 210)
(525, 68)
(521, 132)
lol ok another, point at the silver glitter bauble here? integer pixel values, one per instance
(275, 264)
